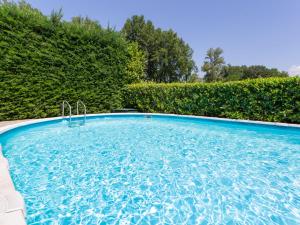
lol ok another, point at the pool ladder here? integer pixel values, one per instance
(79, 102)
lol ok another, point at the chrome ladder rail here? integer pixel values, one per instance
(70, 110)
(84, 108)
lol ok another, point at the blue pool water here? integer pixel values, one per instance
(159, 170)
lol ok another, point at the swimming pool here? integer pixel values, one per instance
(135, 169)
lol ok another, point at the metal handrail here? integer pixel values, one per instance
(63, 109)
(84, 107)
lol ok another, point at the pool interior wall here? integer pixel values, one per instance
(16, 213)
(251, 123)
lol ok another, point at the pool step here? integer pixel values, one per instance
(76, 123)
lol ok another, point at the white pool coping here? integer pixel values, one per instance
(12, 206)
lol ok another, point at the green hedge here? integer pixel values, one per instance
(272, 99)
(44, 61)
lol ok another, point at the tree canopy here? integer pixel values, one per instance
(216, 70)
(213, 65)
(250, 72)
(168, 57)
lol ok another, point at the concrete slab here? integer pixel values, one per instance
(12, 218)
(6, 123)
(12, 205)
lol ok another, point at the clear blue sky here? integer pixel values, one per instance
(249, 31)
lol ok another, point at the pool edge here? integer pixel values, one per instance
(12, 210)
(253, 122)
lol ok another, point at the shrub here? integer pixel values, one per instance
(269, 99)
(45, 60)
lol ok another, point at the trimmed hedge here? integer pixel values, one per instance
(272, 99)
(44, 61)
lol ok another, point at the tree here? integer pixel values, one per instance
(232, 73)
(87, 23)
(56, 16)
(136, 63)
(258, 71)
(168, 57)
(213, 65)
(250, 72)
(194, 78)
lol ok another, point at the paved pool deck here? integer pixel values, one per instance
(12, 206)
(6, 123)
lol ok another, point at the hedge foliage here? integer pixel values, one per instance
(44, 61)
(269, 99)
